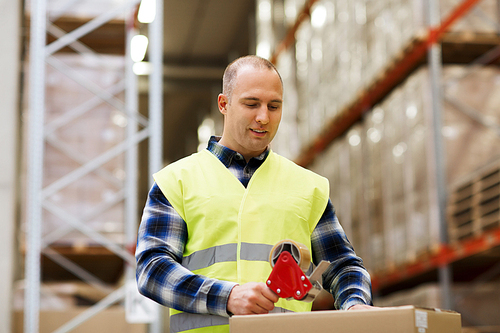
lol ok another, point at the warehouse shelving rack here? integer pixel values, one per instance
(138, 129)
(435, 47)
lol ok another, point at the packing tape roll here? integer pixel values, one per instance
(298, 251)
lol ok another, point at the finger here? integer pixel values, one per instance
(267, 300)
(264, 306)
(270, 294)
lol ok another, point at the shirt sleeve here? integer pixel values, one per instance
(160, 276)
(346, 278)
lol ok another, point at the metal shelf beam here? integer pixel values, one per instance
(445, 255)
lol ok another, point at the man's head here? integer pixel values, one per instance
(251, 103)
(231, 72)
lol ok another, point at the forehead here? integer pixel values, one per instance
(251, 79)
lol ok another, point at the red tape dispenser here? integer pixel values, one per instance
(288, 279)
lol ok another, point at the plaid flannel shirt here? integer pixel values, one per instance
(163, 234)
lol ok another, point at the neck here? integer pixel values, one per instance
(246, 155)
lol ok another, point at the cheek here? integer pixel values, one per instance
(276, 119)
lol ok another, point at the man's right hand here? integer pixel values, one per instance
(251, 298)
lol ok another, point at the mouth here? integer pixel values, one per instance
(258, 132)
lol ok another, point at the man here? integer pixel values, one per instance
(211, 218)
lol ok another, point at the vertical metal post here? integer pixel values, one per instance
(156, 110)
(35, 165)
(131, 160)
(156, 90)
(435, 72)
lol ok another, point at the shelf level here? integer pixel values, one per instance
(445, 255)
(109, 38)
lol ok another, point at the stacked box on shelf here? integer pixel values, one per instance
(334, 165)
(80, 127)
(329, 167)
(342, 53)
(342, 166)
(471, 100)
(400, 186)
(349, 35)
(419, 190)
(410, 224)
(331, 86)
(390, 26)
(343, 188)
(401, 197)
(374, 128)
(472, 140)
(310, 79)
(394, 178)
(378, 17)
(486, 214)
(356, 42)
(302, 48)
(486, 202)
(474, 206)
(287, 143)
(359, 228)
(459, 212)
(383, 191)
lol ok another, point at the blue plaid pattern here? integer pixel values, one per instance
(163, 233)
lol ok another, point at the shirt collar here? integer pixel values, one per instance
(226, 155)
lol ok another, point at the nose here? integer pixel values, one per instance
(262, 116)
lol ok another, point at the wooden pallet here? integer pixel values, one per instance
(474, 206)
(465, 47)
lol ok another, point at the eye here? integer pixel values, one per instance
(273, 107)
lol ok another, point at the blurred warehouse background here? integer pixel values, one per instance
(397, 102)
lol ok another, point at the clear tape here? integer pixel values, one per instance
(299, 252)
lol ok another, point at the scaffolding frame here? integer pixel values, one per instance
(40, 133)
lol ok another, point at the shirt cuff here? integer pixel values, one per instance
(220, 296)
(351, 302)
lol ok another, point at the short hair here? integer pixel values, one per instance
(231, 72)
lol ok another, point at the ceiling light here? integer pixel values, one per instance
(139, 46)
(264, 49)
(147, 11)
(353, 138)
(141, 68)
(411, 111)
(374, 135)
(318, 16)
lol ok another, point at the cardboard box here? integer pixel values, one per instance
(404, 319)
(477, 304)
(111, 320)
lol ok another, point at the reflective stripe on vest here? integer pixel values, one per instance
(189, 321)
(184, 321)
(227, 252)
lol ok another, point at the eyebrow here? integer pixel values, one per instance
(258, 100)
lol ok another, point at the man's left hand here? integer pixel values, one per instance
(362, 307)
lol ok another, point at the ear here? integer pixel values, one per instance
(222, 103)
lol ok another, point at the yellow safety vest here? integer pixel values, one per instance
(231, 229)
